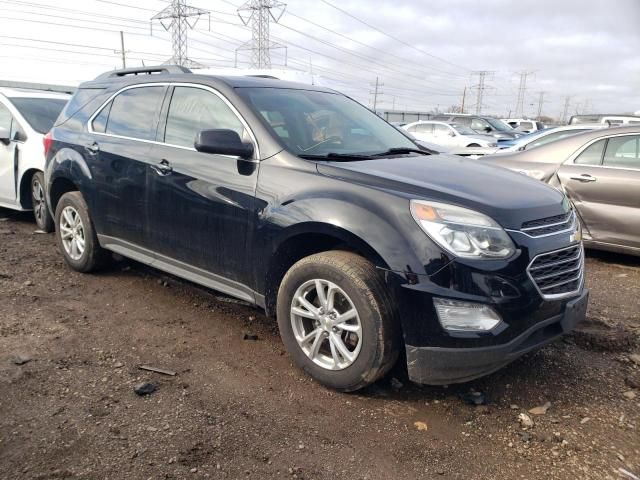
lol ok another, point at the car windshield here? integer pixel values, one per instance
(315, 123)
(499, 125)
(40, 113)
(463, 129)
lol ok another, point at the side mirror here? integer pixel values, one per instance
(488, 129)
(223, 142)
(452, 134)
(4, 136)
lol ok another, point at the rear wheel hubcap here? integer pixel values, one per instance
(72, 233)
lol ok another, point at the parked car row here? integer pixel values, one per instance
(362, 241)
(599, 171)
(25, 116)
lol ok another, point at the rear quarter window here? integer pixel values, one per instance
(78, 101)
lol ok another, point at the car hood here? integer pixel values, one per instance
(509, 198)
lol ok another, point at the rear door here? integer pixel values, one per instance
(603, 182)
(119, 153)
(7, 152)
(201, 203)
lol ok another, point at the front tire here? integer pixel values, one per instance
(337, 320)
(76, 235)
(41, 213)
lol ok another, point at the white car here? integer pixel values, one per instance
(548, 135)
(449, 135)
(523, 124)
(25, 117)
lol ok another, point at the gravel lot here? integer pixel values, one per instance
(239, 409)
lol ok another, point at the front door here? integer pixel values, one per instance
(7, 161)
(119, 153)
(201, 204)
(603, 182)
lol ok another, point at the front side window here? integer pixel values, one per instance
(623, 152)
(310, 122)
(463, 129)
(425, 128)
(194, 109)
(480, 125)
(592, 155)
(134, 113)
(441, 130)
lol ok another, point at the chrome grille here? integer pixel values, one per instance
(559, 273)
(550, 225)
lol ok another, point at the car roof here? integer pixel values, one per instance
(240, 81)
(31, 93)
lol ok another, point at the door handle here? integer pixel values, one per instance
(585, 178)
(163, 168)
(92, 148)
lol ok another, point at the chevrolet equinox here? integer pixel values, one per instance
(296, 198)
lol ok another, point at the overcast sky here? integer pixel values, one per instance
(424, 51)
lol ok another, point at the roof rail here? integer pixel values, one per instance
(263, 76)
(124, 72)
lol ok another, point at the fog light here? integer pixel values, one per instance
(460, 316)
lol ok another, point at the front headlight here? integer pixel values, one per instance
(462, 232)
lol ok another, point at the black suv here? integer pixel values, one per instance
(484, 125)
(302, 201)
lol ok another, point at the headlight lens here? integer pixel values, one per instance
(462, 232)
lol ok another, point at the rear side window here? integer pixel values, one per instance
(623, 152)
(132, 113)
(40, 113)
(77, 101)
(194, 109)
(592, 155)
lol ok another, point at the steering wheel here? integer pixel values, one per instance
(332, 139)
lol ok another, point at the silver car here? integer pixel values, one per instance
(600, 173)
(449, 135)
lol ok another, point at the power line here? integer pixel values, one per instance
(396, 38)
(521, 92)
(481, 87)
(175, 18)
(259, 14)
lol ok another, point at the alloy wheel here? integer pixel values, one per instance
(72, 233)
(326, 324)
(39, 204)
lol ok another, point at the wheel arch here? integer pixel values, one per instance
(307, 239)
(24, 189)
(59, 186)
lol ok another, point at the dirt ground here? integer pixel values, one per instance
(239, 409)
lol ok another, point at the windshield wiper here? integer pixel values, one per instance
(337, 156)
(401, 150)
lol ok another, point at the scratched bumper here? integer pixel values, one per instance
(440, 366)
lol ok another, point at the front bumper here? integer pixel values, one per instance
(440, 366)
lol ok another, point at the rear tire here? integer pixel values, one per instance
(76, 236)
(473, 145)
(41, 213)
(349, 286)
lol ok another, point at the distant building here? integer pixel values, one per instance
(401, 116)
